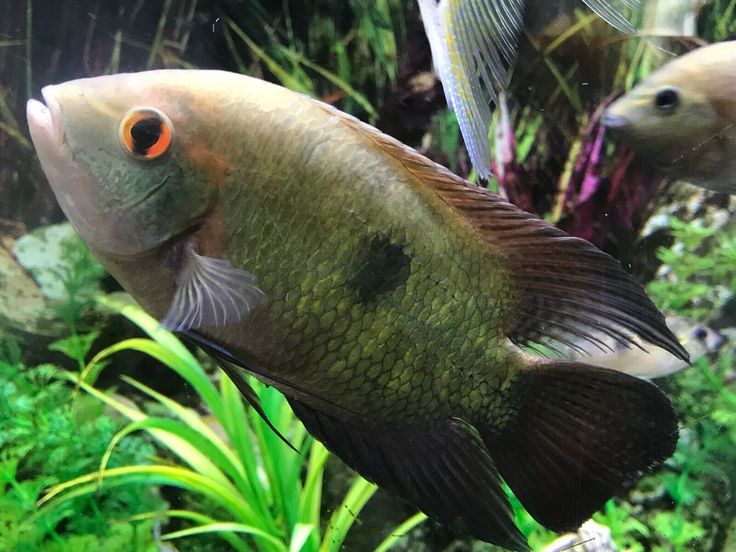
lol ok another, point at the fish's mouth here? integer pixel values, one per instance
(610, 120)
(45, 120)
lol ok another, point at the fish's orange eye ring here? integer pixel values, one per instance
(146, 133)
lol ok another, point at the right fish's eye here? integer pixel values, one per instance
(667, 99)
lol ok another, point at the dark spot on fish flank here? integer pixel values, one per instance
(382, 266)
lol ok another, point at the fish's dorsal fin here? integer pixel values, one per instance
(210, 293)
(473, 42)
(565, 286)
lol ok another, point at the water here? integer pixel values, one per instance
(187, 466)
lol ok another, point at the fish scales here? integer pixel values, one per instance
(324, 332)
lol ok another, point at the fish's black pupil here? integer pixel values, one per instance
(145, 133)
(667, 99)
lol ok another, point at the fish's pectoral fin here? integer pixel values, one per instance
(210, 293)
(582, 434)
(443, 469)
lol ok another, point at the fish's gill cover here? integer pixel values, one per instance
(565, 286)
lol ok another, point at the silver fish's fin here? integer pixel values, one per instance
(613, 13)
(564, 286)
(210, 293)
(585, 432)
(444, 469)
(473, 42)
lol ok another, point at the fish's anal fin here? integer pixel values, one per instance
(210, 293)
(582, 434)
(443, 469)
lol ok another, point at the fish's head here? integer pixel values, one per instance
(117, 153)
(662, 117)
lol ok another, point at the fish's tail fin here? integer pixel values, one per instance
(581, 435)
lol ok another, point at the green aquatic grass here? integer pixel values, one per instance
(269, 495)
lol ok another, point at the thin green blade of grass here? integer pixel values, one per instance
(228, 527)
(181, 447)
(198, 518)
(311, 497)
(176, 355)
(194, 438)
(193, 420)
(242, 442)
(400, 532)
(343, 85)
(300, 536)
(174, 476)
(283, 76)
(345, 515)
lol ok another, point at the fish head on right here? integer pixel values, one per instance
(674, 113)
(117, 151)
(662, 117)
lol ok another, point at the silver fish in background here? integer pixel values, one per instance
(472, 43)
(682, 118)
(649, 362)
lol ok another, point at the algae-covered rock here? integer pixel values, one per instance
(24, 310)
(48, 279)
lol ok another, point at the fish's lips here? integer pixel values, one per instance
(45, 120)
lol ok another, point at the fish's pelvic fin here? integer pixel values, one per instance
(443, 469)
(581, 435)
(249, 394)
(210, 293)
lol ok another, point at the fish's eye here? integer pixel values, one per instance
(667, 99)
(146, 133)
(700, 333)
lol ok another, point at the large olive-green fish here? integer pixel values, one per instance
(682, 118)
(473, 41)
(379, 292)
